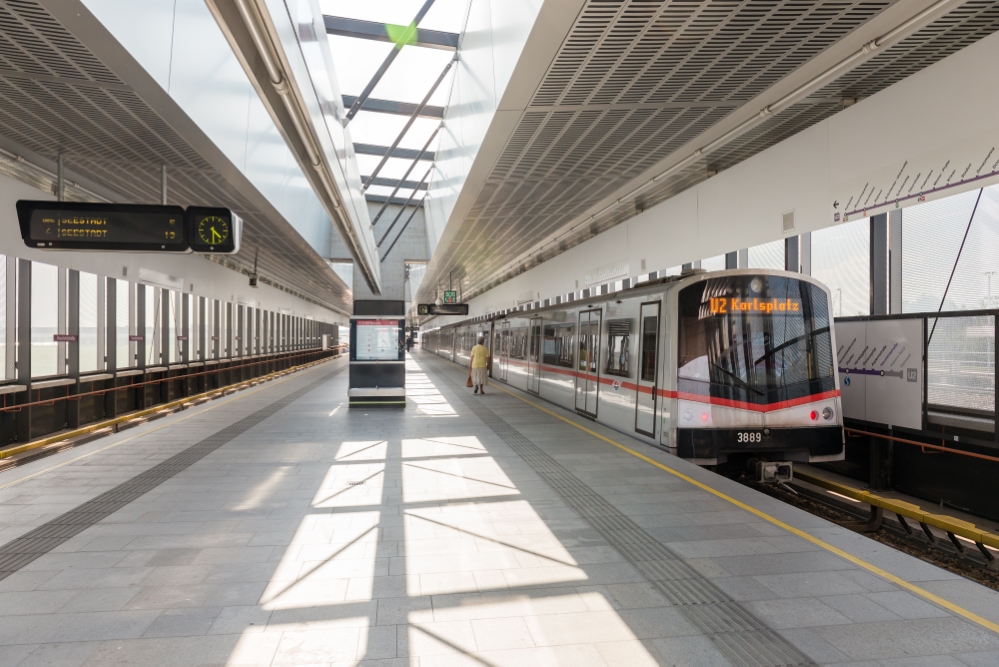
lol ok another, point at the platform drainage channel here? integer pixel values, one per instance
(739, 635)
(36, 543)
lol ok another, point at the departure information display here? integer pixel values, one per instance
(73, 225)
(128, 227)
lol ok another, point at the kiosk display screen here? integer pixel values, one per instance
(377, 340)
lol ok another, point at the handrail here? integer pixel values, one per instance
(923, 444)
(137, 414)
(135, 385)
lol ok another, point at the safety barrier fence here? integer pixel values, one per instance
(29, 413)
(948, 454)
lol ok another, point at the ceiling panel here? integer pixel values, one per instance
(634, 81)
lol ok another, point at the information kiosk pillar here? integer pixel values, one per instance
(377, 354)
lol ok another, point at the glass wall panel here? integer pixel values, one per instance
(931, 238)
(716, 263)
(3, 310)
(225, 344)
(89, 322)
(44, 319)
(122, 357)
(767, 256)
(173, 352)
(841, 259)
(152, 331)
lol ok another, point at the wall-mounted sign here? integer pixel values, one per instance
(127, 227)
(133, 338)
(65, 338)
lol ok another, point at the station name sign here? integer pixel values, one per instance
(128, 227)
(444, 309)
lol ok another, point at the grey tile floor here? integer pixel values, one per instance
(328, 536)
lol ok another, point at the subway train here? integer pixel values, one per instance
(726, 369)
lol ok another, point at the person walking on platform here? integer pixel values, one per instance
(478, 365)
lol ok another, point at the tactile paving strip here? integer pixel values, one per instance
(739, 635)
(39, 541)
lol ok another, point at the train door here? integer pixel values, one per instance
(534, 356)
(588, 362)
(645, 392)
(504, 349)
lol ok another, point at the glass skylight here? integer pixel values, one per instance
(408, 80)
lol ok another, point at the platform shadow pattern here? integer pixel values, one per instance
(740, 636)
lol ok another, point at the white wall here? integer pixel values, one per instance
(943, 115)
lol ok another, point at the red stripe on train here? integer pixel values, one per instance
(698, 398)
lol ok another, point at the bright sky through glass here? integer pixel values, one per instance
(408, 79)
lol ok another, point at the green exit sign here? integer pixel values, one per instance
(450, 296)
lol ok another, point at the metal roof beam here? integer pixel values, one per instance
(431, 39)
(382, 199)
(394, 182)
(391, 107)
(404, 153)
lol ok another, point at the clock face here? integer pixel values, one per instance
(213, 230)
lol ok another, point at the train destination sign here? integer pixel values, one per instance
(724, 305)
(127, 227)
(443, 309)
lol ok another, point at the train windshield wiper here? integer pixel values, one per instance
(738, 379)
(789, 343)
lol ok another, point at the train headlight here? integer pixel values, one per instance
(827, 413)
(687, 415)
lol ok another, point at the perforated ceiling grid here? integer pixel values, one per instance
(58, 97)
(634, 81)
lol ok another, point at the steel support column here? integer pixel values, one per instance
(879, 264)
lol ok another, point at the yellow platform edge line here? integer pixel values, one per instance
(923, 593)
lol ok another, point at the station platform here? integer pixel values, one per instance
(278, 527)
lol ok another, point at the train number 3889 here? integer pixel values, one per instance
(750, 437)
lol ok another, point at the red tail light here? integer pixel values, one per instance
(813, 415)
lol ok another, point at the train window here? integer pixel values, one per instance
(518, 343)
(618, 343)
(650, 327)
(756, 339)
(558, 344)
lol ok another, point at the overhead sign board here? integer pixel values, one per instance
(127, 227)
(450, 296)
(444, 309)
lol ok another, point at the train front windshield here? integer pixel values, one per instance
(754, 339)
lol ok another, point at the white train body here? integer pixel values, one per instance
(708, 366)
